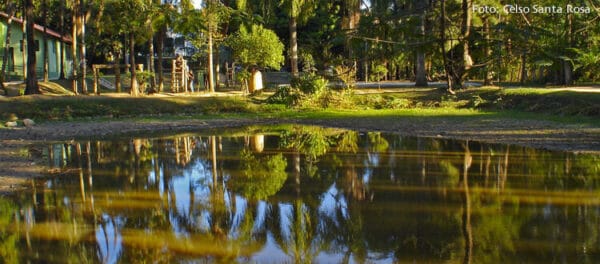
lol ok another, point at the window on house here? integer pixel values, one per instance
(10, 59)
(68, 56)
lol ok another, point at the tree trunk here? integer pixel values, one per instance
(420, 72)
(83, 63)
(523, 76)
(447, 66)
(567, 68)
(24, 42)
(151, 62)
(160, 46)
(293, 27)
(134, 84)
(211, 77)
(31, 86)
(465, 32)
(74, 48)
(117, 71)
(45, 39)
(217, 66)
(487, 80)
(421, 76)
(567, 72)
(62, 43)
(10, 11)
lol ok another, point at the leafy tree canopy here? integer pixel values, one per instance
(257, 46)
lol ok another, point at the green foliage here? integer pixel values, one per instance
(313, 90)
(257, 46)
(307, 60)
(477, 101)
(588, 63)
(377, 101)
(285, 95)
(191, 23)
(310, 84)
(8, 238)
(144, 76)
(261, 177)
(347, 75)
(378, 72)
(131, 16)
(243, 75)
(299, 9)
(309, 91)
(66, 108)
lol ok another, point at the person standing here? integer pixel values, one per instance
(191, 80)
(256, 84)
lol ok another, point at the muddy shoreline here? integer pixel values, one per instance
(17, 167)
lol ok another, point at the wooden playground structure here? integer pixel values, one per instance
(117, 68)
(180, 76)
(181, 79)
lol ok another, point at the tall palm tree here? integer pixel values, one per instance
(63, 4)
(298, 11)
(31, 86)
(134, 20)
(163, 17)
(82, 52)
(421, 75)
(74, 6)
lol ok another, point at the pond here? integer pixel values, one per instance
(303, 194)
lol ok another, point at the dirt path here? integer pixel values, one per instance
(17, 166)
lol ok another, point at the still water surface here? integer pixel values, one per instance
(298, 194)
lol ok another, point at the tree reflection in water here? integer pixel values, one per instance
(304, 194)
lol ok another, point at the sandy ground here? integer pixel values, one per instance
(18, 166)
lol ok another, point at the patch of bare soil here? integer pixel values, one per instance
(17, 164)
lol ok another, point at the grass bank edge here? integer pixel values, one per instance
(150, 109)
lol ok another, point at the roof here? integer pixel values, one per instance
(40, 28)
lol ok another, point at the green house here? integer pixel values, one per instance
(17, 58)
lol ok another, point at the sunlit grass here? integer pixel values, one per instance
(469, 104)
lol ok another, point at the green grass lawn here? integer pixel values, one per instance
(531, 103)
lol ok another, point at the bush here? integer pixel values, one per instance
(377, 101)
(284, 95)
(347, 75)
(310, 84)
(378, 73)
(304, 91)
(311, 91)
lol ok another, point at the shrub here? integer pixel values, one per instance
(310, 84)
(347, 75)
(305, 91)
(378, 73)
(377, 101)
(284, 95)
